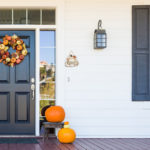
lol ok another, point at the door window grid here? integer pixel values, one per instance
(8, 16)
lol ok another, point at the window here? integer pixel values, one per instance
(47, 71)
(6, 16)
(27, 16)
(19, 17)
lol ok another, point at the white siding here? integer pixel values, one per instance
(98, 93)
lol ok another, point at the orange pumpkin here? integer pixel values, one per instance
(2, 52)
(19, 47)
(55, 114)
(13, 60)
(66, 135)
(5, 42)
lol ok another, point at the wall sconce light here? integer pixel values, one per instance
(100, 37)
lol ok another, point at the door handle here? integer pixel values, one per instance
(33, 89)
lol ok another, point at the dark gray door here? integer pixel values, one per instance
(17, 108)
(141, 53)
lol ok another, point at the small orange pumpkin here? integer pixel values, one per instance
(2, 52)
(55, 114)
(13, 60)
(19, 47)
(66, 135)
(5, 42)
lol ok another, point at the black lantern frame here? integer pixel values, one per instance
(100, 37)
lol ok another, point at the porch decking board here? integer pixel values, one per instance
(120, 146)
(100, 144)
(125, 145)
(138, 145)
(83, 144)
(3, 146)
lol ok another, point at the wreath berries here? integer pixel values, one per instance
(17, 44)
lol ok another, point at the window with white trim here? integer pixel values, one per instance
(47, 71)
(27, 16)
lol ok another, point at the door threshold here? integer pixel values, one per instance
(20, 136)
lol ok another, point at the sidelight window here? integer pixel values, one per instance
(47, 71)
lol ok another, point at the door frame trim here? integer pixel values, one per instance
(60, 51)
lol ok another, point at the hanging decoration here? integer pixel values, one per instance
(12, 59)
(71, 60)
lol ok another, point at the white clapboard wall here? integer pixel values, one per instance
(98, 93)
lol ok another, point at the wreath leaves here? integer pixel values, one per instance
(12, 59)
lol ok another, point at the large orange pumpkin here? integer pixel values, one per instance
(55, 114)
(66, 135)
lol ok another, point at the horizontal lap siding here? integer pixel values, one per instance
(98, 93)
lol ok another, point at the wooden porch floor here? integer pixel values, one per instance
(83, 144)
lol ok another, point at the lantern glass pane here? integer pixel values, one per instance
(98, 40)
(103, 40)
(103, 35)
(99, 36)
(103, 45)
(98, 45)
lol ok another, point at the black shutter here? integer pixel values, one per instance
(141, 53)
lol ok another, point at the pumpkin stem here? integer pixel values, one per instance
(67, 126)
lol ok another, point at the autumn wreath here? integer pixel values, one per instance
(12, 59)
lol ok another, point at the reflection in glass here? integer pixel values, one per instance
(47, 66)
(44, 104)
(19, 16)
(47, 39)
(48, 16)
(33, 16)
(6, 16)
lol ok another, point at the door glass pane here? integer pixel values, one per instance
(47, 68)
(47, 39)
(33, 16)
(48, 16)
(6, 16)
(47, 72)
(19, 16)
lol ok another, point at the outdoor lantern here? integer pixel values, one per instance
(100, 37)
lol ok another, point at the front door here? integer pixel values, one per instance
(17, 103)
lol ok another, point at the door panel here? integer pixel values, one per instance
(17, 109)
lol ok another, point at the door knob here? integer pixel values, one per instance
(32, 80)
(33, 89)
